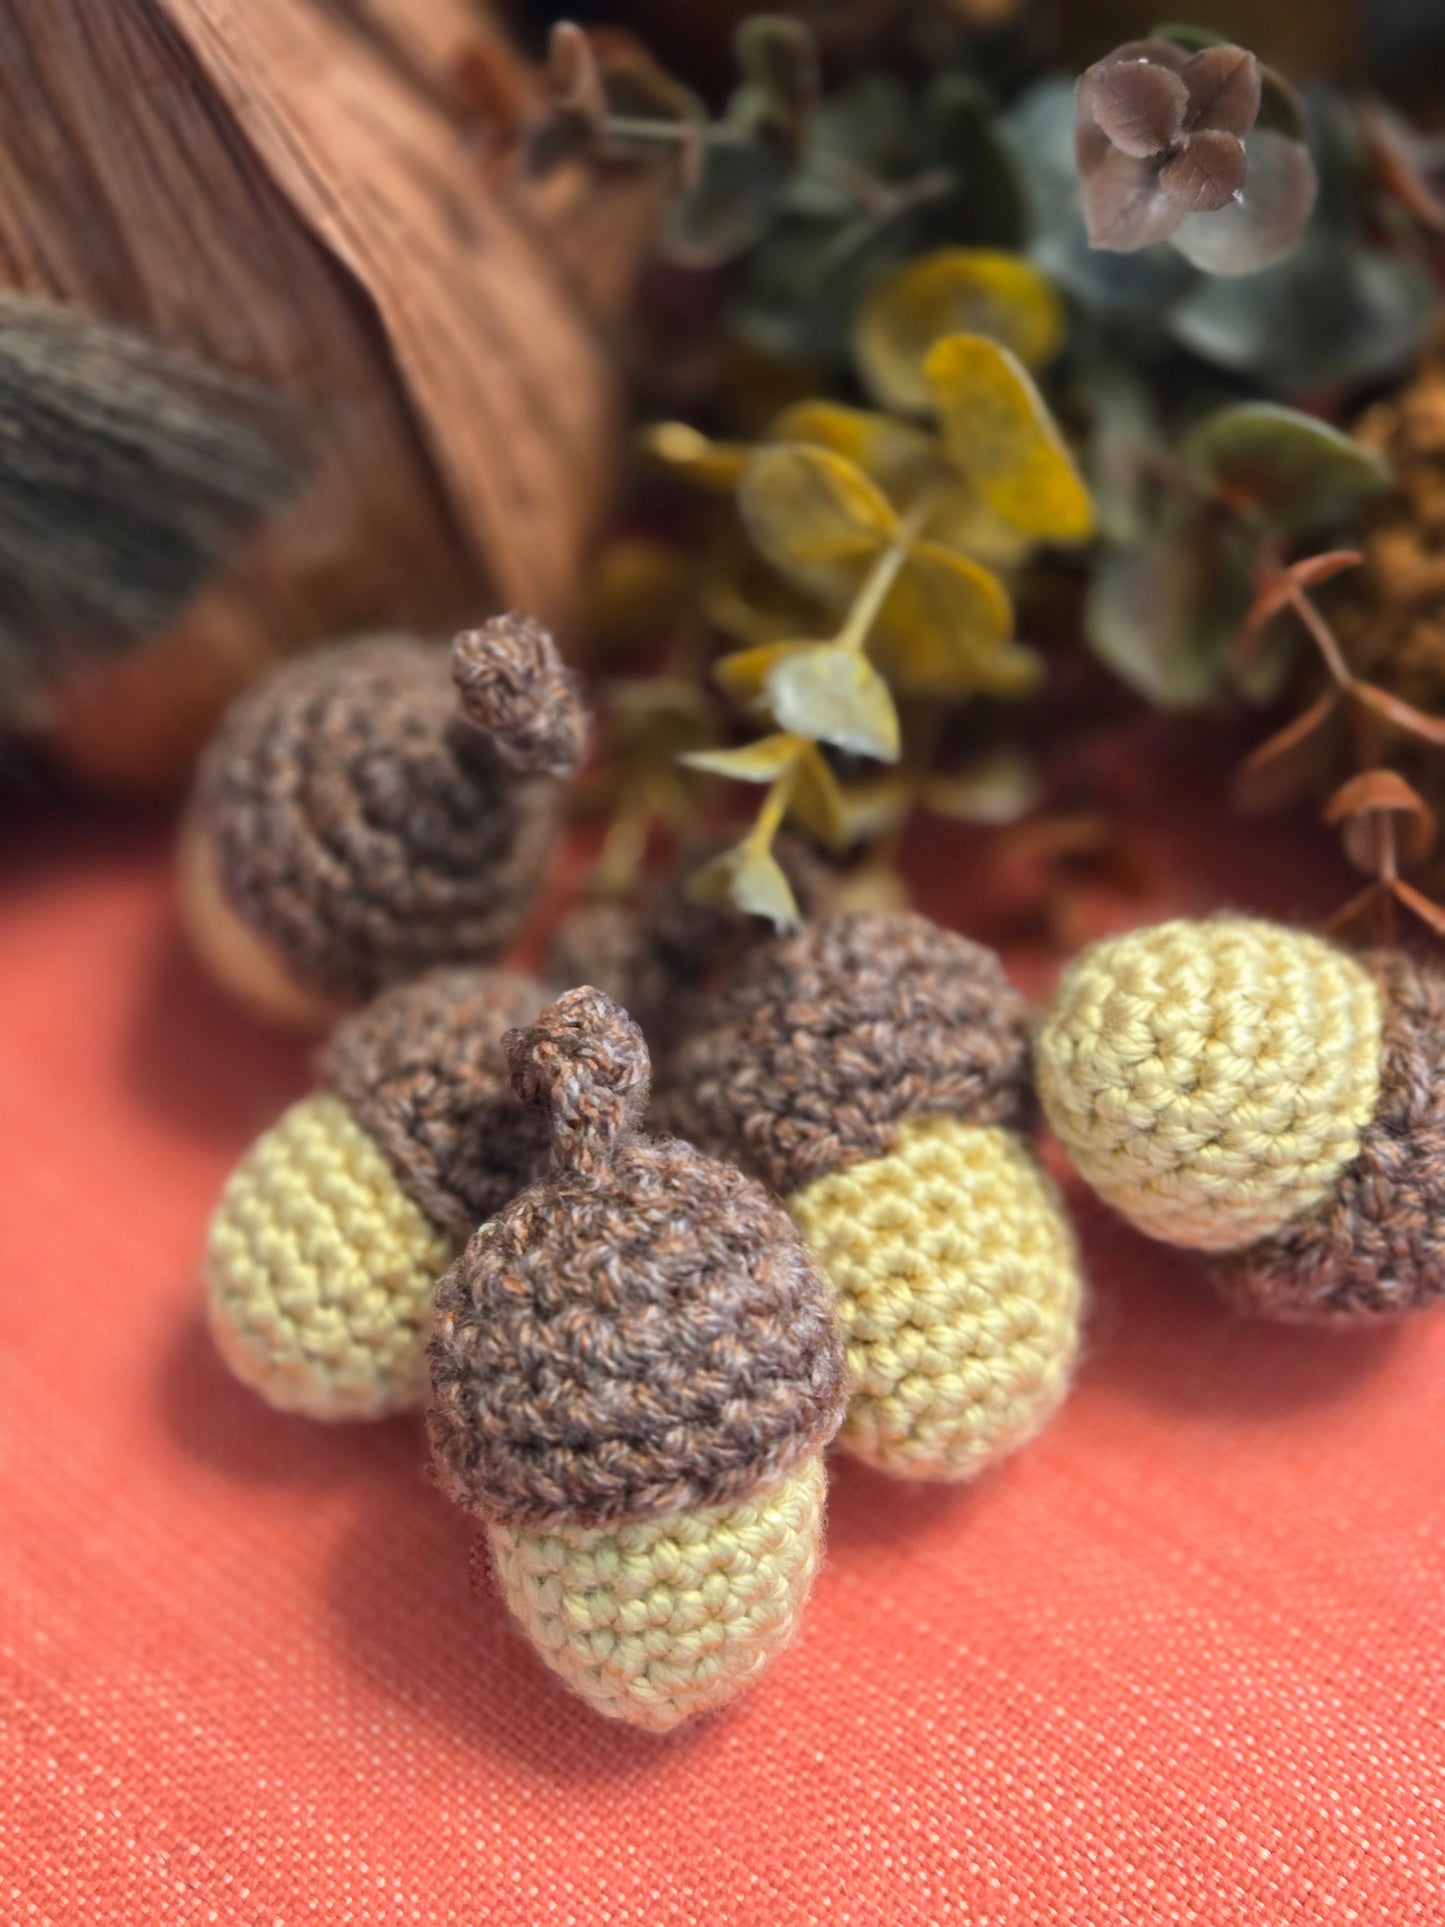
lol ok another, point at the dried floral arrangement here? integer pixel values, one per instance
(961, 372)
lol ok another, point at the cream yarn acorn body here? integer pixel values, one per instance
(1258, 1094)
(325, 1248)
(635, 1371)
(874, 1071)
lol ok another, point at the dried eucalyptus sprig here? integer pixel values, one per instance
(900, 530)
(1349, 712)
(1169, 149)
(1384, 822)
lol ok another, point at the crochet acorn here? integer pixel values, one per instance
(874, 1071)
(1257, 1093)
(370, 811)
(635, 1371)
(331, 1233)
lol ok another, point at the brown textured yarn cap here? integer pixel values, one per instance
(640, 1331)
(1377, 1243)
(831, 1034)
(423, 1071)
(367, 830)
(661, 957)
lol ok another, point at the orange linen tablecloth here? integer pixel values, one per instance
(1180, 1661)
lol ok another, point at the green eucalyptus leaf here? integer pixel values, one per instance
(1163, 613)
(1330, 314)
(779, 59)
(961, 137)
(1299, 473)
(733, 206)
(1192, 39)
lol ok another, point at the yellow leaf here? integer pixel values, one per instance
(1015, 671)
(817, 801)
(690, 455)
(835, 695)
(760, 762)
(944, 621)
(876, 806)
(971, 291)
(908, 465)
(744, 598)
(806, 508)
(959, 518)
(999, 433)
(743, 676)
(900, 458)
(750, 880)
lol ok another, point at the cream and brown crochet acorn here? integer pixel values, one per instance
(635, 1371)
(325, 1248)
(874, 1071)
(1259, 1094)
(374, 809)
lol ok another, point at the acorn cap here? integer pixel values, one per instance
(833, 1033)
(365, 828)
(661, 956)
(1376, 1243)
(423, 1070)
(640, 1331)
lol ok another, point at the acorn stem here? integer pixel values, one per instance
(514, 687)
(583, 1061)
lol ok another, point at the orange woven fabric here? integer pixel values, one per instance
(1179, 1662)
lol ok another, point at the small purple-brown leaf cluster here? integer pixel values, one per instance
(1168, 149)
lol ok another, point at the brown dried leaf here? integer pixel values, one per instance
(1272, 586)
(1390, 149)
(1267, 218)
(1292, 760)
(1430, 914)
(1350, 915)
(1400, 715)
(1225, 88)
(1138, 105)
(1125, 208)
(1375, 793)
(1206, 173)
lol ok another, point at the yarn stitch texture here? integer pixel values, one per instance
(663, 958)
(366, 830)
(959, 1295)
(1376, 1243)
(320, 1270)
(660, 1619)
(829, 1036)
(1212, 1080)
(640, 1332)
(423, 1071)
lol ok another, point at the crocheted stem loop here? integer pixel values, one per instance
(584, 1061)
(514, 686)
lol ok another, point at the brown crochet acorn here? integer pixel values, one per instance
(1376, 1243)
(663, 956)
(874, 1070)
(635, 1369)
(370, 811)
(1256, 1093)
(329, 1237)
